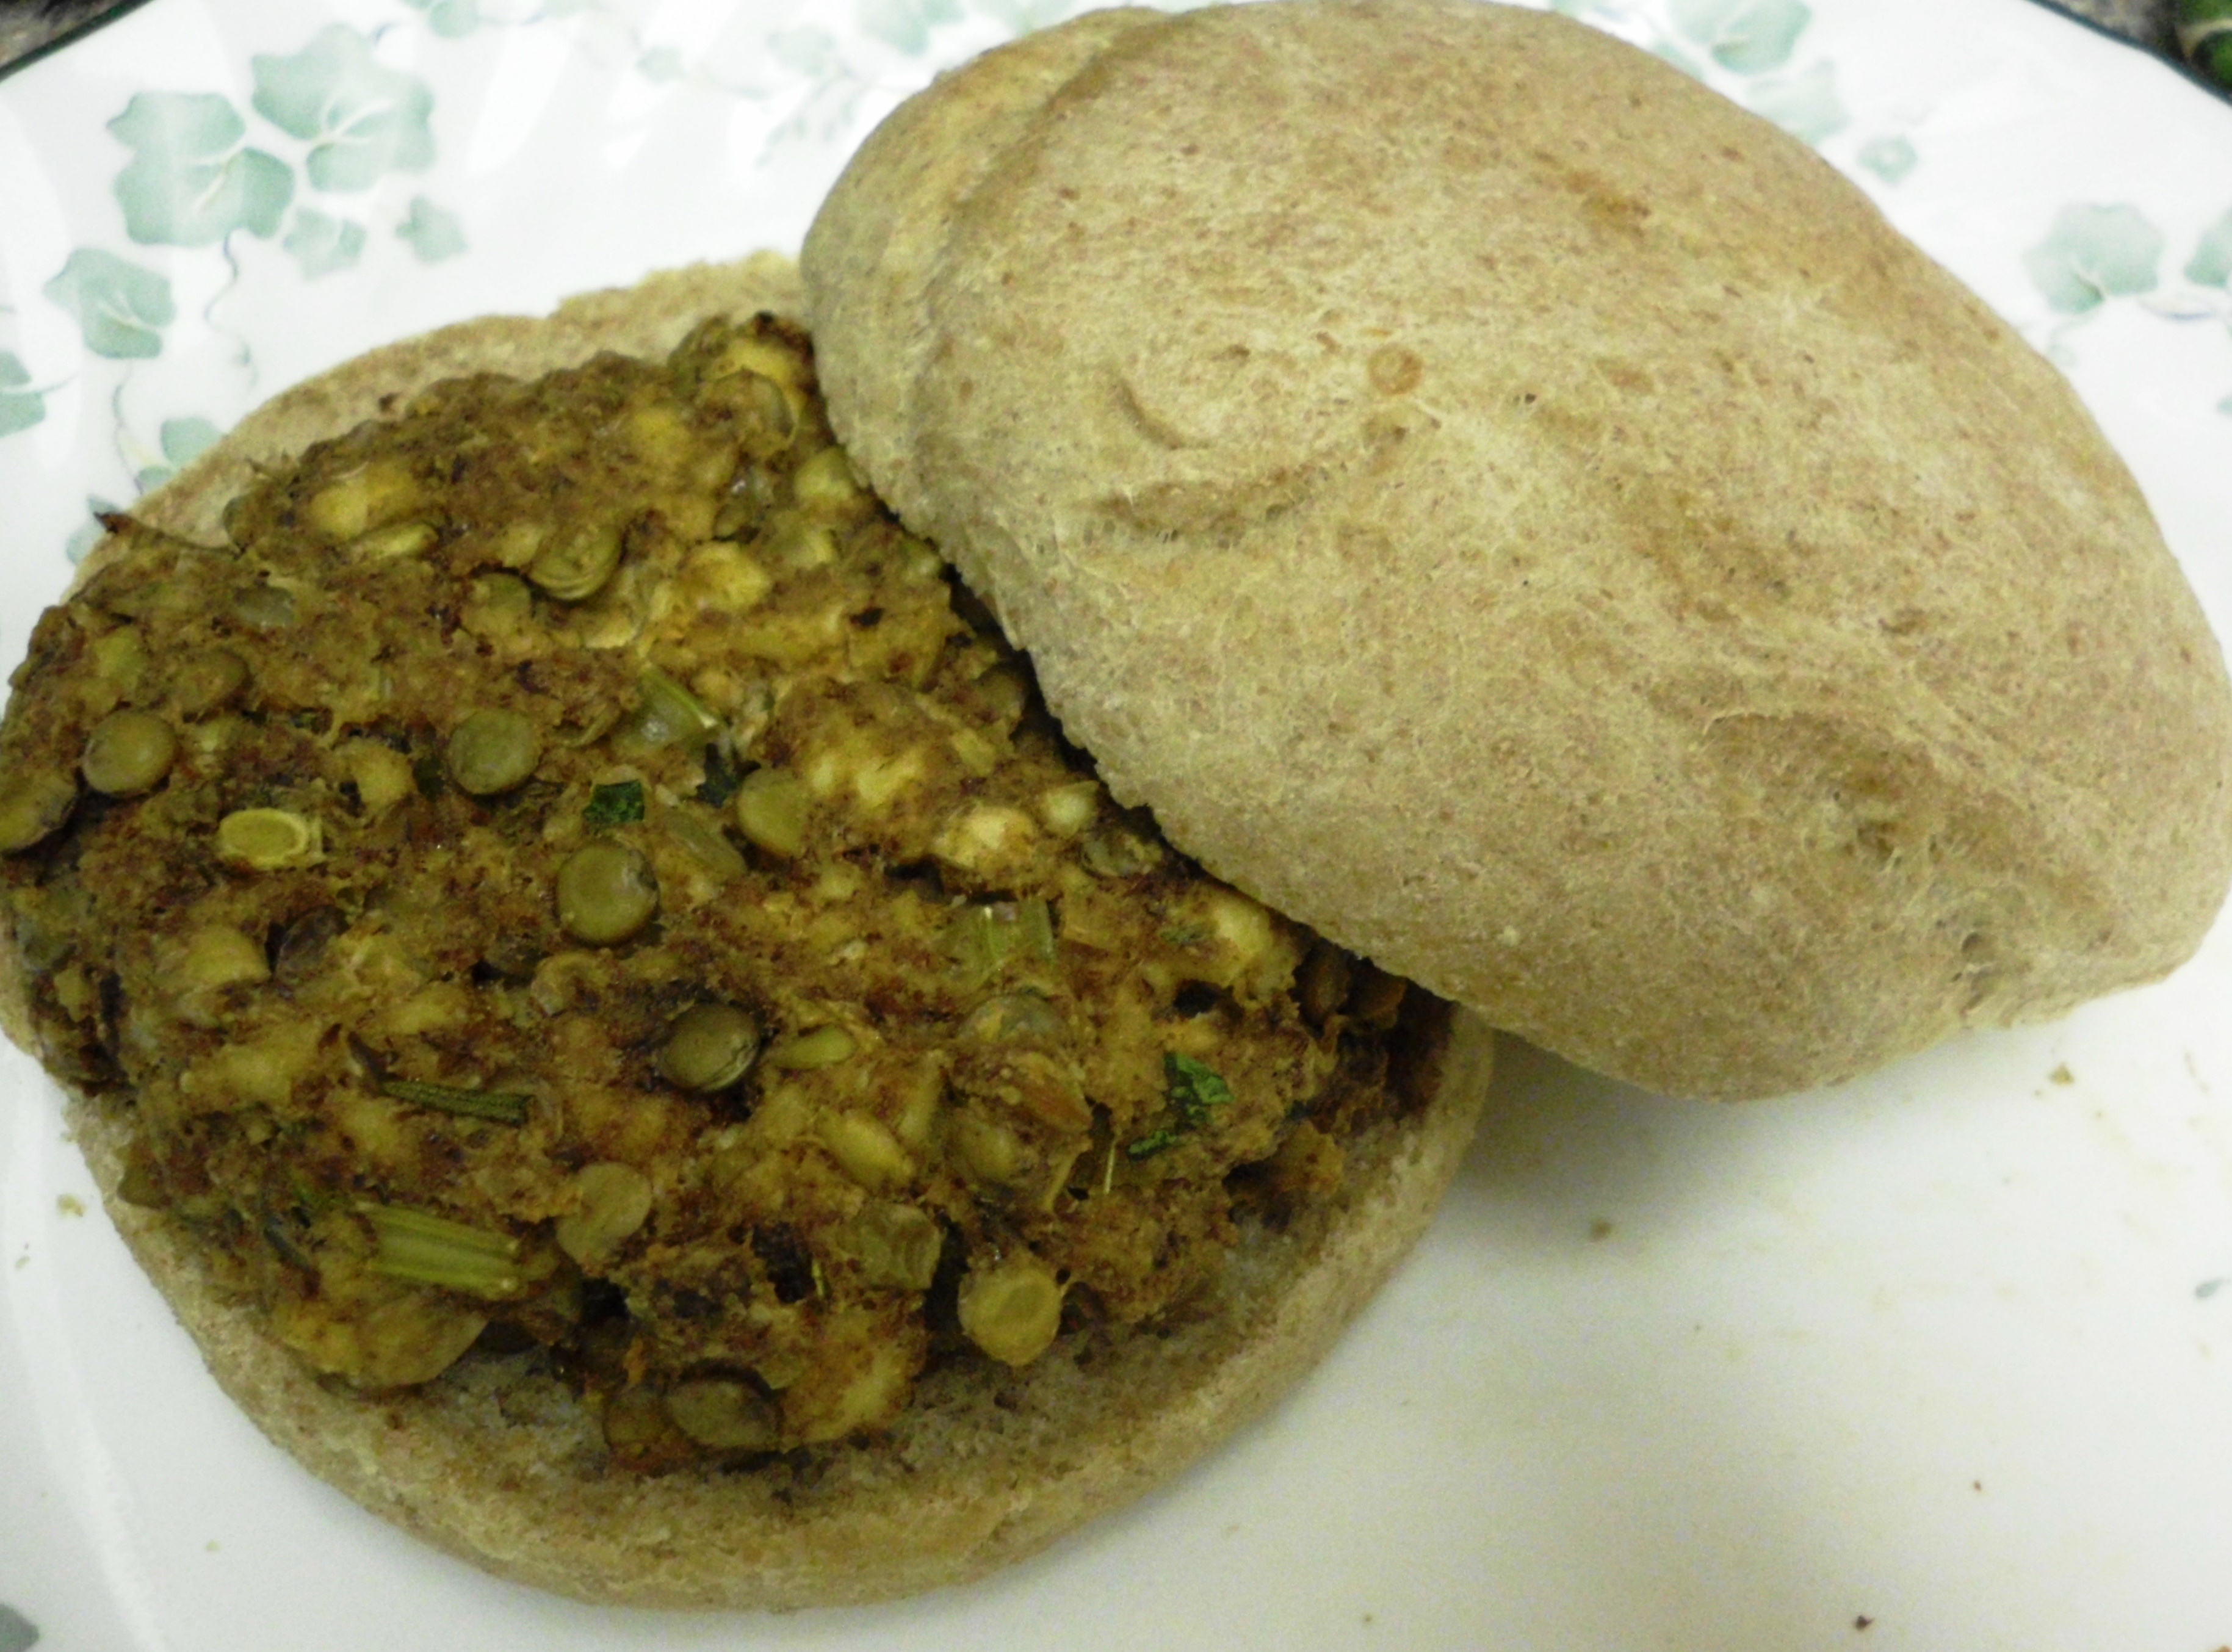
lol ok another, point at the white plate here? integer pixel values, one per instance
(1934, 1361)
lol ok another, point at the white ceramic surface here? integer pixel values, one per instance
(1935, 1360)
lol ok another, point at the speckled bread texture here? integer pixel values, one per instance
(1531, 520)
(501, 1463)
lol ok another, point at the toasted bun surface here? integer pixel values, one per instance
(502, 1463)
(1532, 520)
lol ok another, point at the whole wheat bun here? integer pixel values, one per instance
(1531, 520)
(500, 1463)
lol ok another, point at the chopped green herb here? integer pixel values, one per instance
(504, 1107)
(1153, 1143)
(722, 777)
(1196, 1091)
(618, 804)
(427, 1249)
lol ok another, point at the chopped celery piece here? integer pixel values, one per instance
(504, 1107)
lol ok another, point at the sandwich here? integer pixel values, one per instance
(620, 1025)
(632, 1030)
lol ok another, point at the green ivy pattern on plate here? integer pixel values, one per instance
(335, 121)
(359, 119)
(310, 155)
(330, 120)
(20, 406)
(1753, 50)
(2092, 255)
(191, 179)
(121, 308)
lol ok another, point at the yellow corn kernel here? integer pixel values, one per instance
(865, 1150)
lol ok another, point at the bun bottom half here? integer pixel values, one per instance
(502, 1461)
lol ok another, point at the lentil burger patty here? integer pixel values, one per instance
(571, 924)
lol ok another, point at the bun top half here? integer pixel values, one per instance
(1531, 520)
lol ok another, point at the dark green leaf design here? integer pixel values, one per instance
(360, 117)
(322, 244)
(1749, 36)
(20, 408)
(2212, 263)
(2092, 254)
(120, 308)
(434, 234)
(189, 181)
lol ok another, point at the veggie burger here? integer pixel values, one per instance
(624, 1026)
